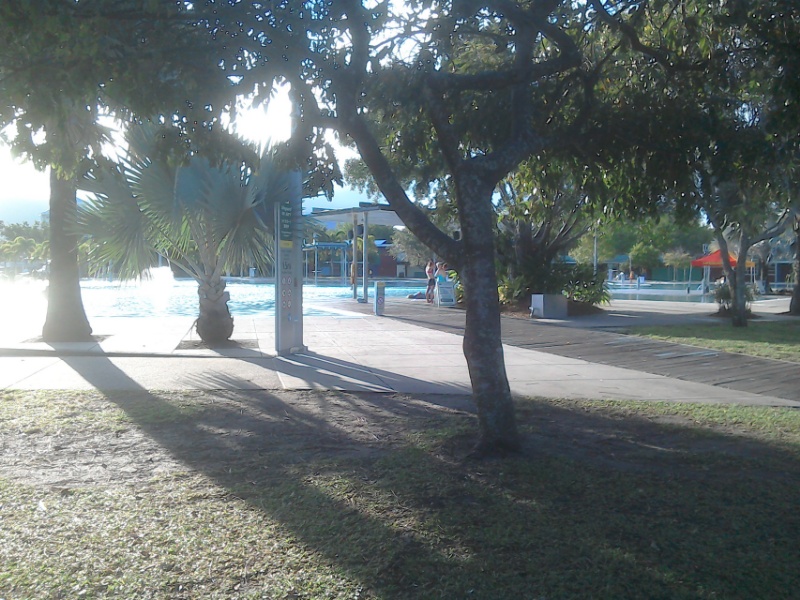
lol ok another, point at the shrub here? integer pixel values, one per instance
(578, 282)
(513, 289)
(584, 285)
(722, 296)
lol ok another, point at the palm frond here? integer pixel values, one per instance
(213, 217)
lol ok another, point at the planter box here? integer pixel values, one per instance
(549, 306)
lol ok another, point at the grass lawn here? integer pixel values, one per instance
(288, 495)
(769, 339)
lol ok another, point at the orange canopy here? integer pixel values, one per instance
(715, 260)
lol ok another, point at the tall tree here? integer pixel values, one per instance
(744, 146)
(205, 218)
(401, 81)
(62, 66)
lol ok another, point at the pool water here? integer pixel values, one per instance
(160, 298)
(659, 291)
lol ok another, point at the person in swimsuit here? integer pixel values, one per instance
(441, 272)
(429, 272)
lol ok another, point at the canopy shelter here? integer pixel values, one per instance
(378, 214)
(363, 215)
(715, 260)
(334, 248)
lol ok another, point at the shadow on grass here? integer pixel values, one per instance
(594, 507)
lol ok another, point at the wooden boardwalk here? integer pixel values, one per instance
(596, 343)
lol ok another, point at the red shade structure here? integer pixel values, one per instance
(715, 260)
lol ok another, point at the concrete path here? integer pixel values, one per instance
(599, 339)
(415, 349)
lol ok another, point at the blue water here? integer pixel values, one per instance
(659, 291)
(162, 298)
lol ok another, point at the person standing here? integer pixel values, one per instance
(441, 272)
(430, 273)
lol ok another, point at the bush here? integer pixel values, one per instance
(722, 296)
(512, 290)
(458, 287)
(586, 286)
(578, 282)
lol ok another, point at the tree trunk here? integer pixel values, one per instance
(66, 317)
(735, 278)
(215, 323)
(739, 308)
(483, 348)
(794, 305)
(523, 247)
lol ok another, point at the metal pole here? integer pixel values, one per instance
(366, 264)
(354, 264)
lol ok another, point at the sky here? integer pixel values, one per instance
(25, 192)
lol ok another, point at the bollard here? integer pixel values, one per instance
(380, 297)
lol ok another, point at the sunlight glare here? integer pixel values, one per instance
(265, 124)
(24, 302)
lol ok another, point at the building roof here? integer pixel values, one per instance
(379, 214)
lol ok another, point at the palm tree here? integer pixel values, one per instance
(20, 249)
(204, 218)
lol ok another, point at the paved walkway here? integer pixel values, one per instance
(599, 339)
(414, 349)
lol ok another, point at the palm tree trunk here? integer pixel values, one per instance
(66, 317)
(215, 323)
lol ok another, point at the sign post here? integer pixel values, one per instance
(288, 273)
(445, 293)
(380, 297)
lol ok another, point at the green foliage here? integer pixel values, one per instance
(513, 290)
(666, 233)
(645, 256)
(37, 231)
(458, 285)
(584, 285)
(542, 278)
(204, 218)
(578, 282)
(406, 245)
(64, 64)
(723, 297)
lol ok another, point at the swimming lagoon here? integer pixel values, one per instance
(162, 296)
(660, 291)
(253, 298)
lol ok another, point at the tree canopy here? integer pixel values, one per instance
(464, 92)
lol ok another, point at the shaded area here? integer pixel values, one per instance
(368, 495)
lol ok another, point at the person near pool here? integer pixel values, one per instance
(429, 272)
(441, 272)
